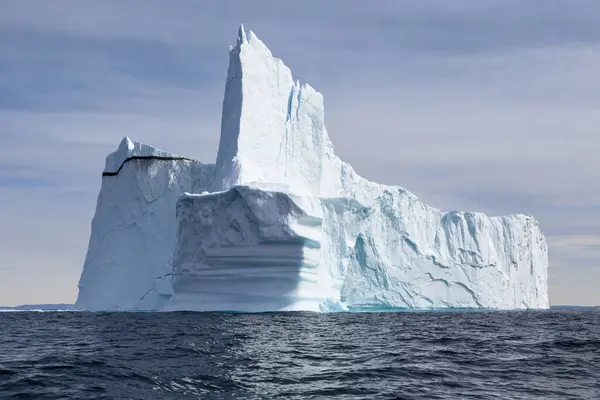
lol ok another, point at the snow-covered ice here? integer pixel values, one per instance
(281, 223)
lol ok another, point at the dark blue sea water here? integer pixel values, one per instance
(429, 355)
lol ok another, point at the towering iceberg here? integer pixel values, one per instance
(281, 223)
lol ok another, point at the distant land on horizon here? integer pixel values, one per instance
(561, 306)
(59, 306)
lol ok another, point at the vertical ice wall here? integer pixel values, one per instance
(272, 127)
(129, 259)
(412, 256)
(247, 250)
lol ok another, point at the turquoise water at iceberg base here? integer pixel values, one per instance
(416, 355)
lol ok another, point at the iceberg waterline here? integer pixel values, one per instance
(279, 222)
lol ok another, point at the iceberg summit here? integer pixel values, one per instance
(279, 222)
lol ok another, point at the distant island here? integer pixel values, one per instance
(565, 307)
(42, 307)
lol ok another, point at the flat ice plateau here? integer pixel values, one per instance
(279, 222)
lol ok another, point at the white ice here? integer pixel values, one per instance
(129, 260)
(282, 223)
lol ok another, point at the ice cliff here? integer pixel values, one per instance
(281, 223)
(129, 259)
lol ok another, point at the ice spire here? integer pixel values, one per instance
(259, 142)
(241, 35)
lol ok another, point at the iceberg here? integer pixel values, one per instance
(279, 222)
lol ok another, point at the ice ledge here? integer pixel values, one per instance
(131, 150)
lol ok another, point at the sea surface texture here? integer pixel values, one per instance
(426, 355)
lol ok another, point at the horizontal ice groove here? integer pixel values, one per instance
(279, 222)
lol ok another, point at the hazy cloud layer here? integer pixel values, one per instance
(490, 106)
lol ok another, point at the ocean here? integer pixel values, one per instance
(394, 355)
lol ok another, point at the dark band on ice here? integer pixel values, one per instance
(159, 158)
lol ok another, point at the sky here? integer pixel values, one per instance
(489, 106)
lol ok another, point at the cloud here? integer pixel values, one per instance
(490, 106)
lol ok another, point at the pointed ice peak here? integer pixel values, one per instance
(116, 158)
(241, 35)
(126, 144)
(250, 39)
